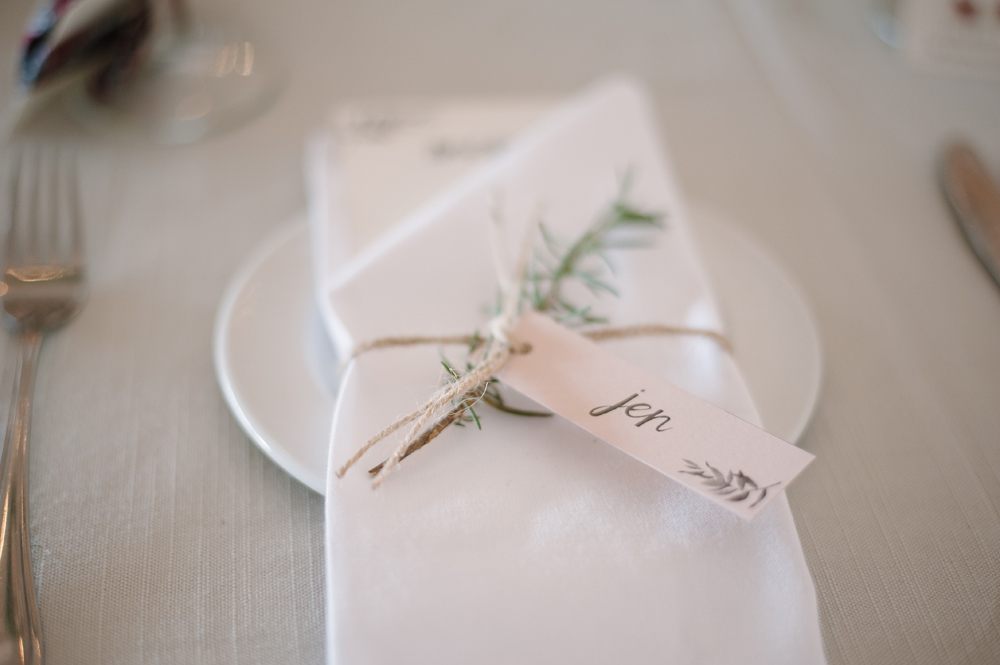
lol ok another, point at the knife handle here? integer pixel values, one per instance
(975, 201)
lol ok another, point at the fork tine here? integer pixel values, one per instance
(45, 224)
(33, 219)
(54, 213)
(10, 241)
(73, 212)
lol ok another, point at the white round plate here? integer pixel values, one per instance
(278, 371)
(775, 339)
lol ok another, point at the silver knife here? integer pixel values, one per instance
(975, 200)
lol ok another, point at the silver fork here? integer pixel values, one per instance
(43, 287)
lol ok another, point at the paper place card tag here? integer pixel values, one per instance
(711, 451)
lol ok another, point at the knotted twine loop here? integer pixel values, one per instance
(500, 347)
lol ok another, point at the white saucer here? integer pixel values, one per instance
(277, 368)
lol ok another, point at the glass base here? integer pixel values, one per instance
(884, 18)
(195, 85)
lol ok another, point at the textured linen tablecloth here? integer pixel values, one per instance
(161, 535)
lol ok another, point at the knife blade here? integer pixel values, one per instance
(975, 201)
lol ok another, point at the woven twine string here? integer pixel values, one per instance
(494, 355)
(500, 353)
(623, 332)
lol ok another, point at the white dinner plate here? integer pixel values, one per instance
(278, 371)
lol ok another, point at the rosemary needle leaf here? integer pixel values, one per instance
(448, 368)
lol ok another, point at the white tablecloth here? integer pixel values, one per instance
(161, 535)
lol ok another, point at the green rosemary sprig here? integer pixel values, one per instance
(585, 261)
(547, 275)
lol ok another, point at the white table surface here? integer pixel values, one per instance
(161, 535)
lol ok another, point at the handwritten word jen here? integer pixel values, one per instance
(637, 410)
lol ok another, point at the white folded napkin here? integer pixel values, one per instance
(532, 541)
(378, 161)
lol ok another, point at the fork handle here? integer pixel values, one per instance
(20, 628)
